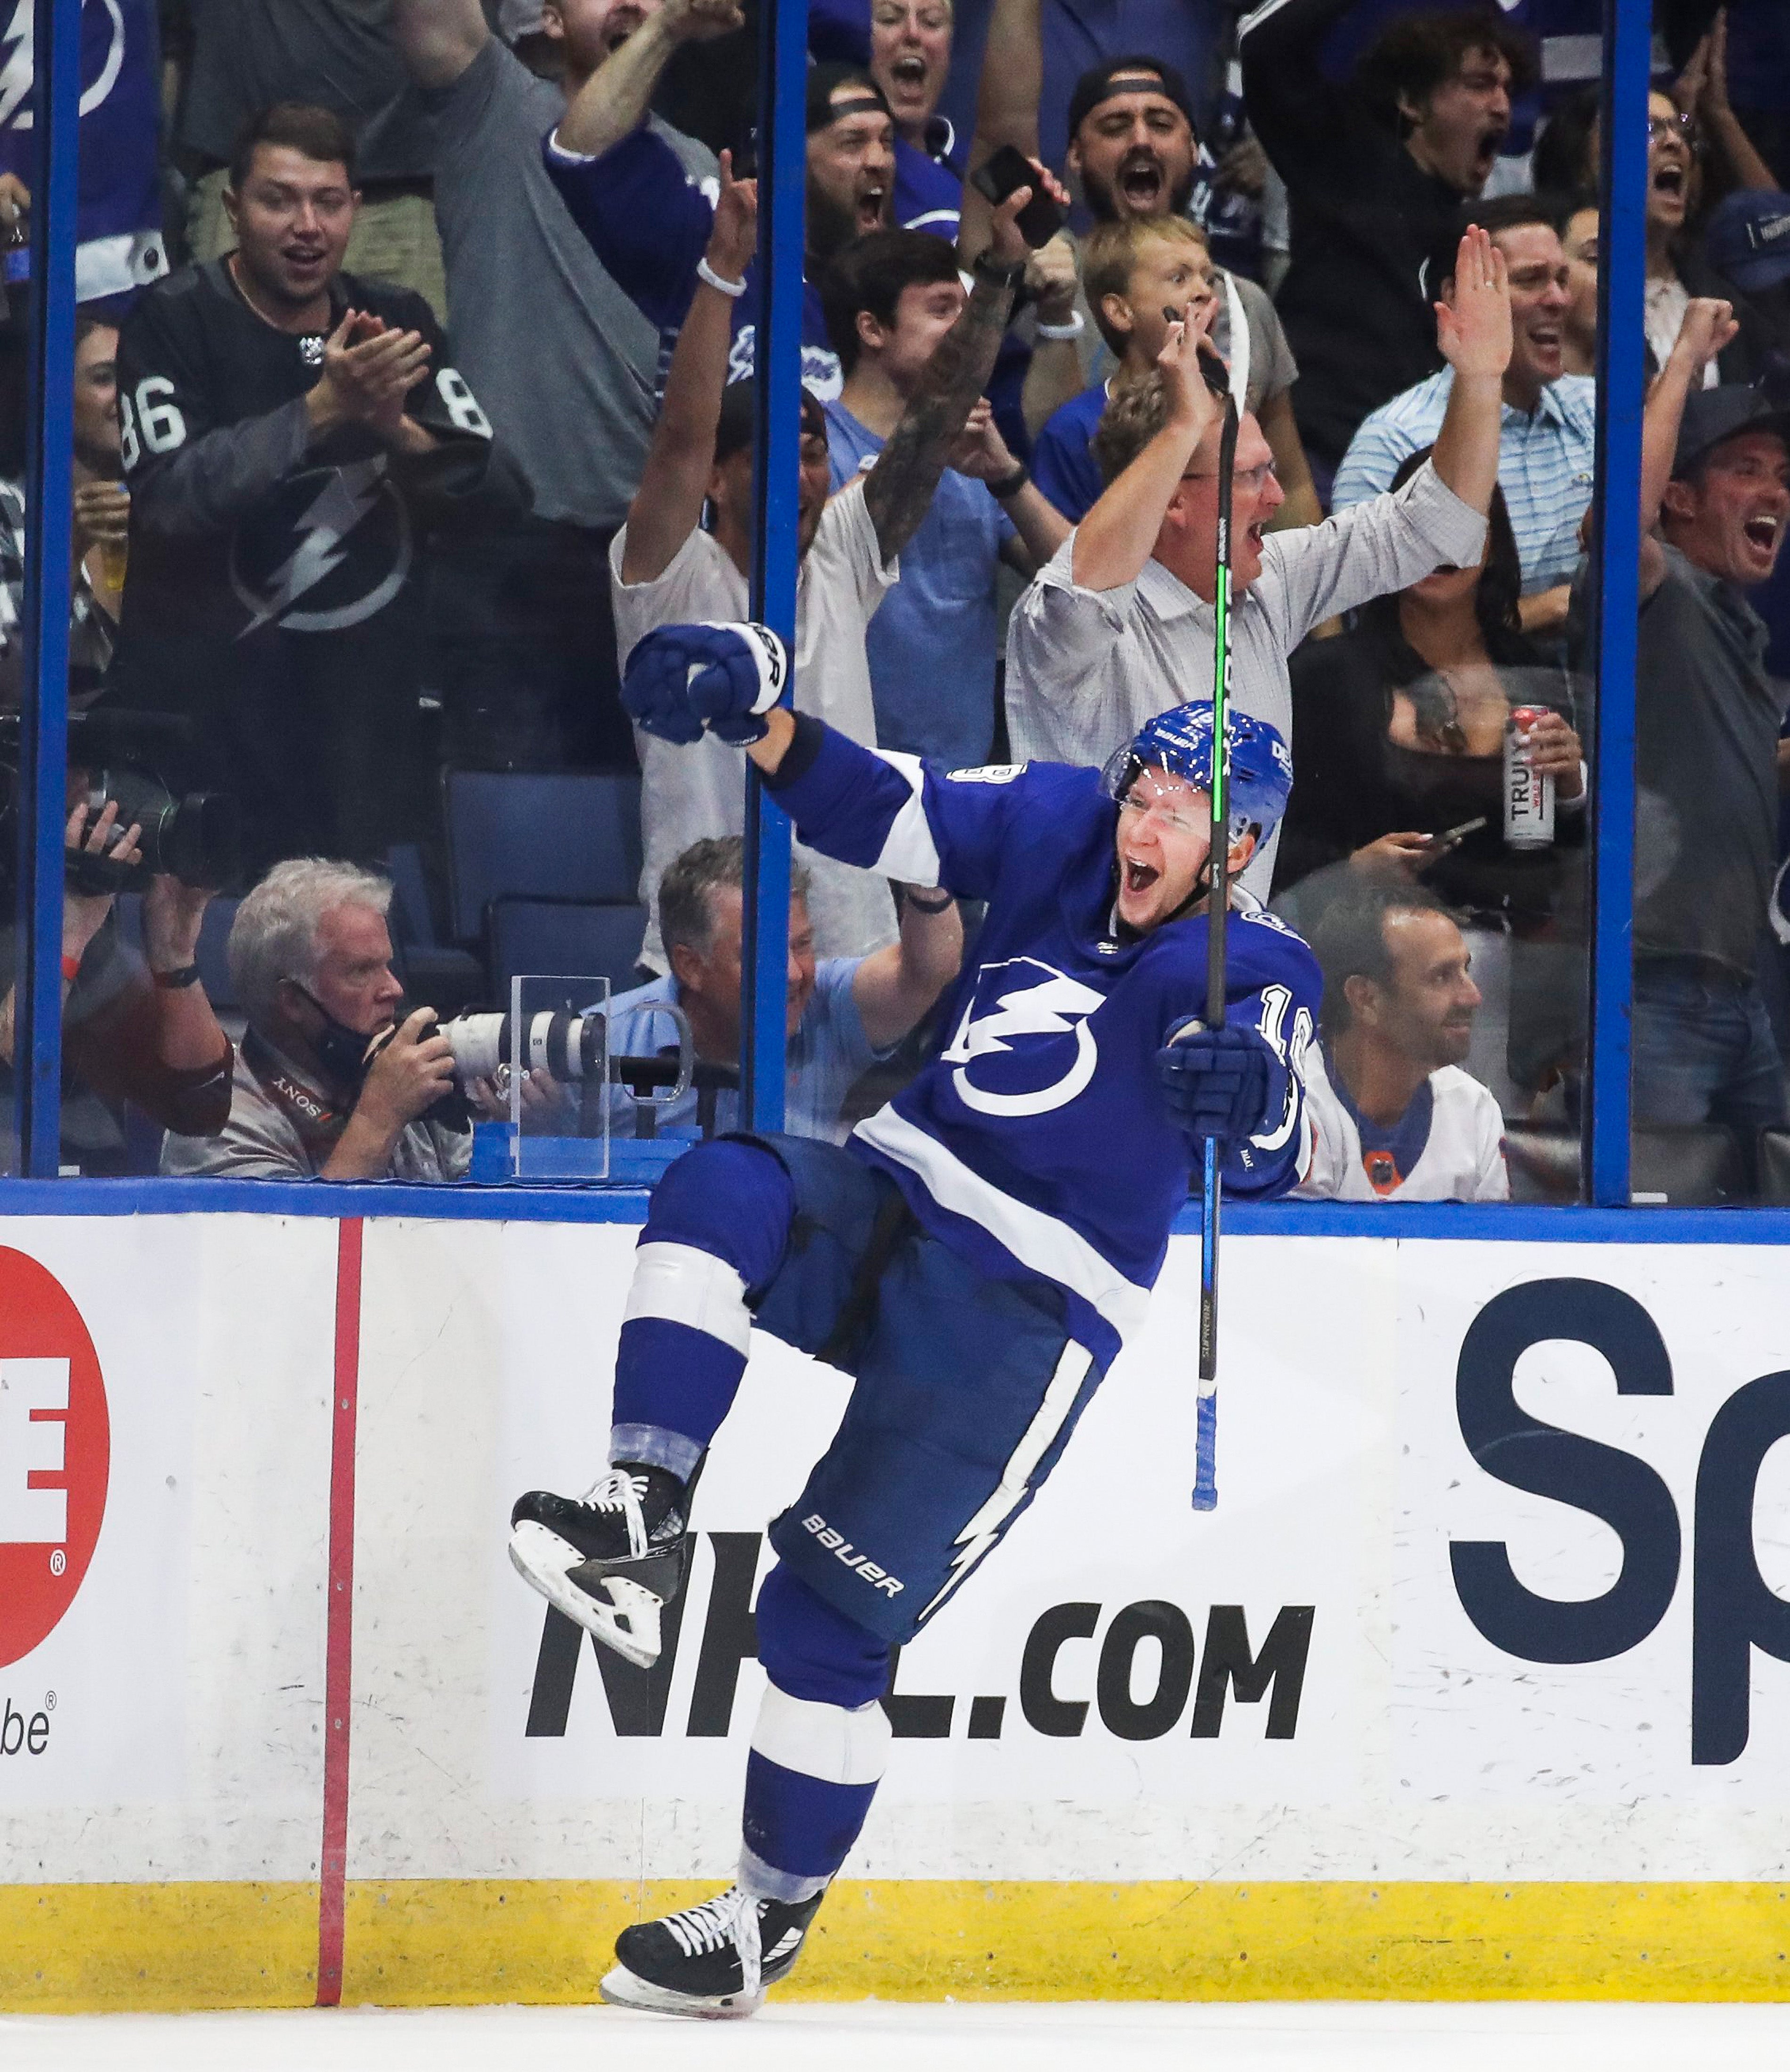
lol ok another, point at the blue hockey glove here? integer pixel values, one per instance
(680, 680)
(1223, 1083)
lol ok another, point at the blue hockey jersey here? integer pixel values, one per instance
(1037, 1140)
(648, 224)
(118, 247)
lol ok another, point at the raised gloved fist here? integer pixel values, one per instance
(1223, 1083)
(680, 680)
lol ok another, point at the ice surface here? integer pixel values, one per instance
(880, 2036)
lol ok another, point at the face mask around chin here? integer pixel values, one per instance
(343, 1053)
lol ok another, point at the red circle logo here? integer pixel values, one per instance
(55, 1452)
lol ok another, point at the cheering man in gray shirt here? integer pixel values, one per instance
(1119, 625)
(564, 364)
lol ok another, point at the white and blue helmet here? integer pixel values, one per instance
(1180, 741)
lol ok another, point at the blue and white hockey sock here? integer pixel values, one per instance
(681, 1355)
(717, 1228)
(812, 1773)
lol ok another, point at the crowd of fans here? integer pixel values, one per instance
(420, 385)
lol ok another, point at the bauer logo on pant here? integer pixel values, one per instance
(54, 1454)
(842, 1550)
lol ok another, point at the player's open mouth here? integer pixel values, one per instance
(1139, 877)
(1762, 532)
(1140, 180)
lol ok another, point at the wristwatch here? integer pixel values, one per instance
(986, 268)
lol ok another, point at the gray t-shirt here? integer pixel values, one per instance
(285, 1128)
(1707, 720)
(559, 357)
(335, 54)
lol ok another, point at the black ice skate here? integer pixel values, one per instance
(611, 1559)
(712, 1961)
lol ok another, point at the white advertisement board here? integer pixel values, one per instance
(1490, 1591)
(1499, 1583)
(164, 1477)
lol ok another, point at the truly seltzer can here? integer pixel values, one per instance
(1529, 792)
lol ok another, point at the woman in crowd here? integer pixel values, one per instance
(1399, 727)
(1697, 151)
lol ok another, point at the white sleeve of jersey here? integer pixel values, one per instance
(1494, 1176)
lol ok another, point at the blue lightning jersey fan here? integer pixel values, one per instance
(1037, 1138)
(648, 223)
(120, 246)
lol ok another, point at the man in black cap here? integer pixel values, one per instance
(1708, 717)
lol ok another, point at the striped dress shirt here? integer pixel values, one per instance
(1544, 464)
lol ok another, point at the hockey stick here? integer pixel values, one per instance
(1205, 1483)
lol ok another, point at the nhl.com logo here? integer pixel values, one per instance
(56, 1451)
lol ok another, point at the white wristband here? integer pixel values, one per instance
(1072, 329)
(732, 290)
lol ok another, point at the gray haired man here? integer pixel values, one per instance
(311, 960)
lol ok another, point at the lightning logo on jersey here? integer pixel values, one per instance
(1030, 999)
(344, 514)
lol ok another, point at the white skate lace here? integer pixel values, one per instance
(614, 1491)
(732, 1917)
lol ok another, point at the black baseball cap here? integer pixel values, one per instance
(739, 405)
(1713, 415)
(1748, 240)
(824, 81)
(1139, 74)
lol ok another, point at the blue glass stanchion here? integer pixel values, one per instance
(49, 494)
(1615, 553)
(782, 175)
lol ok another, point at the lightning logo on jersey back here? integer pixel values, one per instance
(16, 72)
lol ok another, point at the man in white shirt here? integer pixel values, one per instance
(1394, 1117)
(665, 570)
(1119, 626)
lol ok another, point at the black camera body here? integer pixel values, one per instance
(195, 837)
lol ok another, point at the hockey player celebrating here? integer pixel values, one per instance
(975, 1255)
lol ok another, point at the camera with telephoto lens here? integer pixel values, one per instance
(566, 1046)
(194, 836)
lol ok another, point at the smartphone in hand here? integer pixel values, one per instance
(1004, 173)
(1451, 837)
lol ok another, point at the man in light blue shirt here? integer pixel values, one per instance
(1548, 435)
(844, 1014)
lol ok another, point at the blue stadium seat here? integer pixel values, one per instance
(512, 835)
(565, 938)
(435, 974)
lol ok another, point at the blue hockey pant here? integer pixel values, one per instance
(967, 1389)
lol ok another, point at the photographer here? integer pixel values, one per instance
(311, 962)
(145, 1036)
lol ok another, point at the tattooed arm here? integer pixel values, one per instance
(899, 489)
